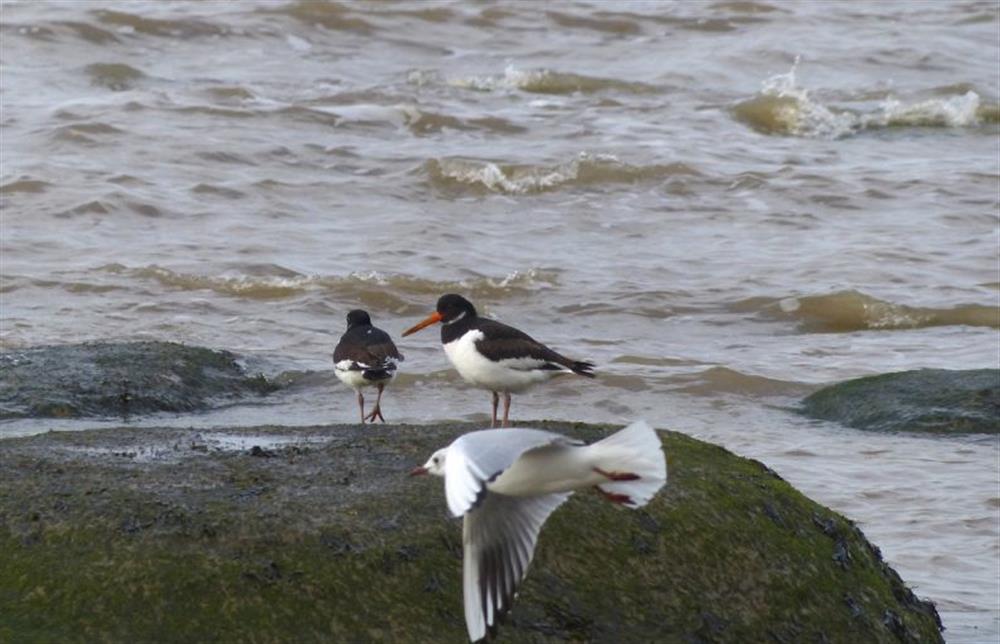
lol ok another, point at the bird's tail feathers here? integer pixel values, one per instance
(383, 370)
(377, 374)
(635, 454)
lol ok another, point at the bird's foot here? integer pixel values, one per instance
(617, 476)
(375, 413)
(615, 497)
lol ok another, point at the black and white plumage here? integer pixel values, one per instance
(365, 357)
(492, 355)
(506, 483)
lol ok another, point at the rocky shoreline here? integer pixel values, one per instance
(123, 380)
(936, 401)
(275, 534)
(292, 534)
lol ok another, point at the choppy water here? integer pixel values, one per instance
(723, 204)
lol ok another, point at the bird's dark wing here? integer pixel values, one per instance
(367, 348)
(380, 345)
(502, 342)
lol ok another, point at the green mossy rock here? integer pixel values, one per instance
(925, 400)
(176, 535)
(108, 379)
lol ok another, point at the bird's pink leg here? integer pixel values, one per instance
(361, 404)
(377, 412)
(496, 401)
(506, 408)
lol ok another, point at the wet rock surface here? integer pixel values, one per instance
(316, 534)
(925, 400)
(105, 379)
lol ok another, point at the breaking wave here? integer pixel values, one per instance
(124, 22)
(25, 184)
(547, 81)
(586, 169)
(784, 108)
(372, 288)
(846, 311)
(722, 380)
(114, 76)
(400, 115)
(328, 15)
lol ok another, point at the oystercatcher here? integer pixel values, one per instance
(365, 357)
(491, 355)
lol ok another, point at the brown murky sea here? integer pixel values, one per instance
(723, 204)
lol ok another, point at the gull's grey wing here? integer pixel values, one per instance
(499, 542)
(476, 458)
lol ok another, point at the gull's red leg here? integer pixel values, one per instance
(614, 497)
(617, 476)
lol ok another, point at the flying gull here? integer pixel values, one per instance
(506, 483)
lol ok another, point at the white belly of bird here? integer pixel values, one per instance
(353, 378)
(510, 375)
(555, 468)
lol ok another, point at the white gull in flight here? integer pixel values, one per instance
(506, 483)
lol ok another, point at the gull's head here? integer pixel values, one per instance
(434, 465)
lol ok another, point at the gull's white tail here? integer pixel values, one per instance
(635, 451)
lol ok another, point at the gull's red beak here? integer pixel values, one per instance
(418, 471)
(431, 319)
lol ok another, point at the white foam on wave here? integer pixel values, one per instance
(521, 179)
(512, 78)
(547, 81)
(532, 277)
(348, 286)
(804, 116)
(796, 112)
(400, 115)
(954, 111)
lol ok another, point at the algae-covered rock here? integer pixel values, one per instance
(317, 535)
(120, 379)
(926, 400)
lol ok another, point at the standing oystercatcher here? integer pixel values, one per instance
(494, 356)
(365, 357)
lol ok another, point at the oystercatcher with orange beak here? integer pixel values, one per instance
(491, 355)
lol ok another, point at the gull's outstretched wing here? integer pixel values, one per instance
(499, 542)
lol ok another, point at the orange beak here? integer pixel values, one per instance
(418, 471)
(431, 319)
